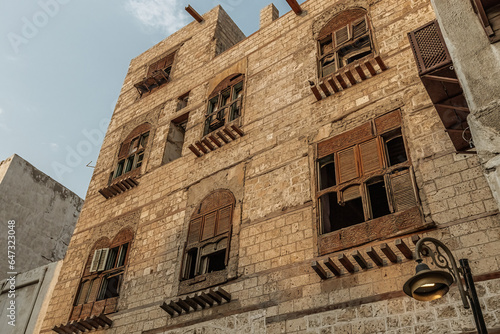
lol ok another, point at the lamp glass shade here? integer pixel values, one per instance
(428, 284)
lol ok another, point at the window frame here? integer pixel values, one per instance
(399, 203)
(333, 52)
(202, 244)
(132, 153)
(219, 114)
(93, 282)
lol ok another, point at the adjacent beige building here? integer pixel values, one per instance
(276, 183)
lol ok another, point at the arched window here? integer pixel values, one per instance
(132, 150)
(224, 103)
(207, 246)
(344, 39)
(99, 287)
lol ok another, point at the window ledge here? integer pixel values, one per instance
(119, 187)
(376, 229)
(88, 324)
(216, 139)
(196, 302)
(348, 76)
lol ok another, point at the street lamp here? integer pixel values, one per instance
(429, 285)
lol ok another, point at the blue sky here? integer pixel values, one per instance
(62, 66)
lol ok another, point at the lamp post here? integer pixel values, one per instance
(429, 285)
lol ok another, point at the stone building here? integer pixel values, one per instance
(276, 183)
(44, 212)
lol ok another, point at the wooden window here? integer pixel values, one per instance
(209, 235)
(102, 276)
(224, 104)
(175, 139)
(488, 12)
(364, 175)
(344, 39)
(132, 150)
(158, 74)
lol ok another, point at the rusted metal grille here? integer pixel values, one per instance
(428, 48)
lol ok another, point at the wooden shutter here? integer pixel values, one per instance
(224, 222)
(194, 231)
(209, 225)
(103, 258)
(403, 191)
(429, 48)
(359, 28)
(341, 36)
(84, 290)
(94, 289)
(347, 165)
(95, 260)
(370, 157)
(351, 193)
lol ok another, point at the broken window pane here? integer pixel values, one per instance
(379, 204)
(335, 216)
(190, 265)
(326, 172)
(395, 146)
(216, 261)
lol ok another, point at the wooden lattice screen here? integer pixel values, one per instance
(429, 48)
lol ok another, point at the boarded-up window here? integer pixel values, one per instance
(344, 39)
(208, 236)
(363, 176)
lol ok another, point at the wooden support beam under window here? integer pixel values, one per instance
(215, 296)
(229, 133)
(360, 259)
(185, 306)
(175, 307)
(316, 93)
(370, 68)
(194, 14)
(360, 71)
(201, 147)
(341, 81)
(332, 266)
(333, 85)
(324, 89)
(350, 77)
(206, 298)
(295, 6)
(319, 270)
(404, 249)
(346, 263)
(237, 130)
(215, 140)
(374, 256)
(208, 144)
(380, 63)
(222, 136)
(167, 309)
(223, 293)
(195, 151)
(389, 253)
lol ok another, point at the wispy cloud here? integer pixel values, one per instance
(54, 147)
(165, 15)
